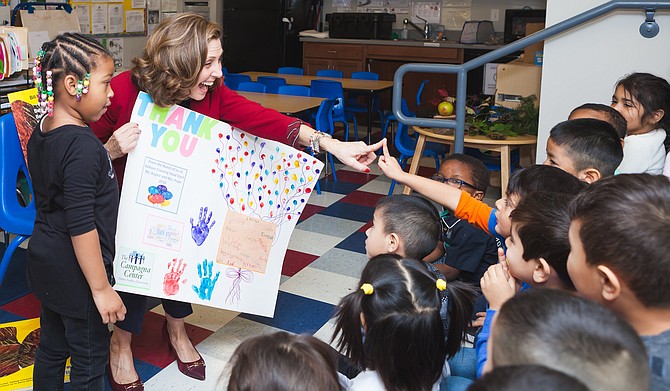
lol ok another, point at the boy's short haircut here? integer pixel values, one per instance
(570, 334)
(526, 378)
(282, 361)
(590, 143)
(415, 220)
(539, 177)
(542, 222)
(478, 170)
(614, 117)
(625, 225)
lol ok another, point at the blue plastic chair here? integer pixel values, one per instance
(234, 79)
(290, 89)
(353, 105)
(272, 83)
(405, 144)
(388, 117)
(251, 86)
(330, 73)
(14, 218)
(291, 71)
(225, 71)
(324, 123)
(333, 89)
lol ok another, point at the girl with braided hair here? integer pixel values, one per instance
(71, 251)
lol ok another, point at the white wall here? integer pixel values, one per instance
(583, 64)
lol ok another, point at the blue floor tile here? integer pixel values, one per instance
(6, 317)
(355, 242)
(348, 211)
(296, 314)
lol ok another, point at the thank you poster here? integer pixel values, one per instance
(207, 210)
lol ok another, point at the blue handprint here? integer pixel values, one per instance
(206, 288)
(200, 231)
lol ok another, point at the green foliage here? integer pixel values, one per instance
(526, 117)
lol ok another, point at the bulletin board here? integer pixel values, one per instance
(111, 18)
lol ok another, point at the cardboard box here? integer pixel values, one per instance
(517, 80)
(489, 85)
(529, 51)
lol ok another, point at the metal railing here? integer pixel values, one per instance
(648, 29)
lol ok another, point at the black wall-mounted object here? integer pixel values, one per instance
(516, 19)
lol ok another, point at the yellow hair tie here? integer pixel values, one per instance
(367, 288)
(441, 284)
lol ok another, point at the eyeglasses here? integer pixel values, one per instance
(455, 182)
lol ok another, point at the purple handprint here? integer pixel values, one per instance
(200, 231)
(206, 288)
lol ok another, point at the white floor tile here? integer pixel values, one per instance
(319, 285)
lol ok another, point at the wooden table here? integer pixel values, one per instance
(368, 87)
(286, 104)
(480, 142)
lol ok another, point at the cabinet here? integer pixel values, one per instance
(342, 57)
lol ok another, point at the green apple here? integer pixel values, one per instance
(445, 108)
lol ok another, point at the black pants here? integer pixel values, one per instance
(85, 340)
(136, 307)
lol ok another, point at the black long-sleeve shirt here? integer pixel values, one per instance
(75, 192)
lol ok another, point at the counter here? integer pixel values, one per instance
(409, 42)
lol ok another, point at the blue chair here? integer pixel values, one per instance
(14, 218)
(330, 73)
(225, 71)
(290, 89)
(251, 86)
(272, 83)
(324, 123)
(388, 117)
(405, 144)
(291, 71)
(232, 80)
(353, 105)
(333, 89)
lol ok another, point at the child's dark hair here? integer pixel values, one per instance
(404, 338)
(542, 222)
(539, 177)
(625, 225)
(565, 332)
(614, 118)
(70, 54)
(478, 170)
(590, 143)
(414, 219)
(283, 362)
(526, 378)
(653, 93)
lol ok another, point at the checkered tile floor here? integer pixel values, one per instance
(325, 256)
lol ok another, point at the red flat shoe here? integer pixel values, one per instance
(194, 369)
(137, 385)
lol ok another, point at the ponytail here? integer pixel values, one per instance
(461, 306)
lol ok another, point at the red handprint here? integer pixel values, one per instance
(171, 279)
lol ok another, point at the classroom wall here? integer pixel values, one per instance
(582, 65)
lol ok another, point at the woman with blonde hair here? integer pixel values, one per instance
(181, 65)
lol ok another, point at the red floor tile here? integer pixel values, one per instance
(27, 306)
(309, 211)
(152, 347)
(365, 227)
(358, 178)
(362, 198)
(295, 261)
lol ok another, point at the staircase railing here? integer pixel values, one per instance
(648, 29)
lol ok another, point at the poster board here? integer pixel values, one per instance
(104, 18)
(207, 210)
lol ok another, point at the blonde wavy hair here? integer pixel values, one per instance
(173, 57)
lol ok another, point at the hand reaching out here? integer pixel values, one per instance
(388, 164)
(123, 140)
(356, 154)
(200, 231)
(206, 288)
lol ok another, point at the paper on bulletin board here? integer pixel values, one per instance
(99, 18)
(83, 12)
(207, 211)
(18, 344)
(134, 21)
(427, 10)
(115, 18)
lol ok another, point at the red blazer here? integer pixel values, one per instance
(221, 103)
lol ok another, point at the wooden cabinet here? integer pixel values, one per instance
(342, 57)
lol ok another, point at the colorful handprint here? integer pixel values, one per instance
(200, 230)
(206, 288)
(172, 277)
